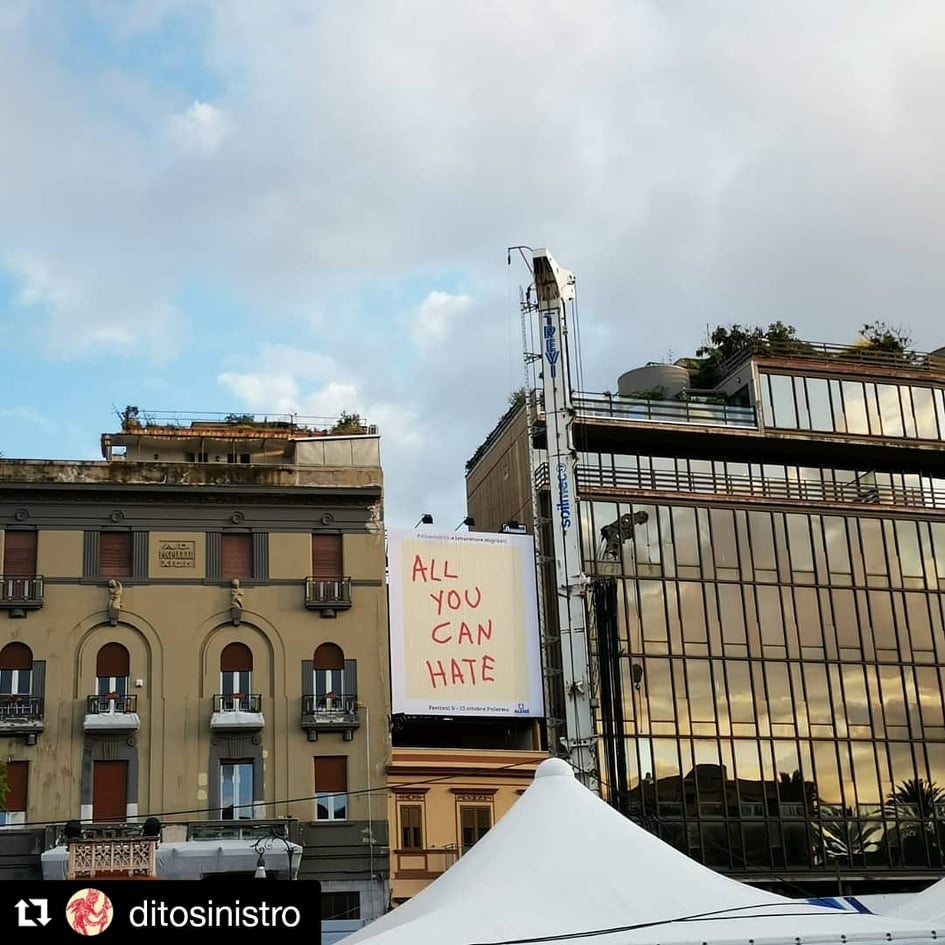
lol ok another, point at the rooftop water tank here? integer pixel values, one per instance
(670, 378)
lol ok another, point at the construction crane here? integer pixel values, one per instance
(554, 290)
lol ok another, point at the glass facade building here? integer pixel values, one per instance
(766, 616)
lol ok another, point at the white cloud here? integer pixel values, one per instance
(436, 316)
(693, 164)
(201, 129)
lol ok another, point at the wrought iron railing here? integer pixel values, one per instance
(112, 702)
(18, 591)
(664, 411)
(14, 708)
(327, 593)
(238, 702)
(330, 707)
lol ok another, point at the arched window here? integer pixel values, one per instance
(16, 670)
(236, 676)
(112, 668)
(329, 666)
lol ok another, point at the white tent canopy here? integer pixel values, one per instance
(563, 866)
(926, 906)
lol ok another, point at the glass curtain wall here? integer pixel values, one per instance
(780, 678)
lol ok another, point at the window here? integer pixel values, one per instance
(115, 554)
(411, 827)
(112, 668)
(19, 554)
(329, 668)
(326, 557)
(236, 677)
(236, 790)
(16, 670)
(341, 905)
(331, 788)
(17, 773)
(474, 823)
(236, 556)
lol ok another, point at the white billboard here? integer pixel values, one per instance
(464, 637)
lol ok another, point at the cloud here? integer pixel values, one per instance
(693, 164)
(201, 129)
(436, 316)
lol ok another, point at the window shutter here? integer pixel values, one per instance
(329, 656)
(17, 778)
(236, 658)
(112, 660)
(16, 656)
(351, 677)
(326, 557)
(331, 774)
(114, 554)
(308, 678)
(236, 556)
(19, 554)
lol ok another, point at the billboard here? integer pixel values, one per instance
(464, 637)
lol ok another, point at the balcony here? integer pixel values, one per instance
(330, 714)
(237, 712)
(21, 715)
(328, 595)
(111, 713)
(20, 594)
(422, 864)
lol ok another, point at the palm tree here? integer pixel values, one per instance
(915, 798)
(913, 803)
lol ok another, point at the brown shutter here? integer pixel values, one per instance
(19, 554)
(331, 774)
(114, 555)
(16, 656)
(112, 660)
(236, 556)
(328, 656)
(109, 790)
(326, 557)
(17, 777)
(236, 658)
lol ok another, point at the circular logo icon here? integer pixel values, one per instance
(89, 912)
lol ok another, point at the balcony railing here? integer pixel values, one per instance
(664, 411)
(21, 714)
(330, 713)
(113, 857)
(16, 707)
(21, 593)
(328, 594)
(861, 492)
(238, 702)
(113, 702)
(423, 863)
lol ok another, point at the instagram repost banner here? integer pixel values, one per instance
(149, 911)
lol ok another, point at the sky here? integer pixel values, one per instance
(301, 206)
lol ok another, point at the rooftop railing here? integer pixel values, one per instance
(664, 411)
(864, 355)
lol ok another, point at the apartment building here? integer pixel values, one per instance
(195, 627)
(765, 561)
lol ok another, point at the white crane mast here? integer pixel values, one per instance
(554, 288)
